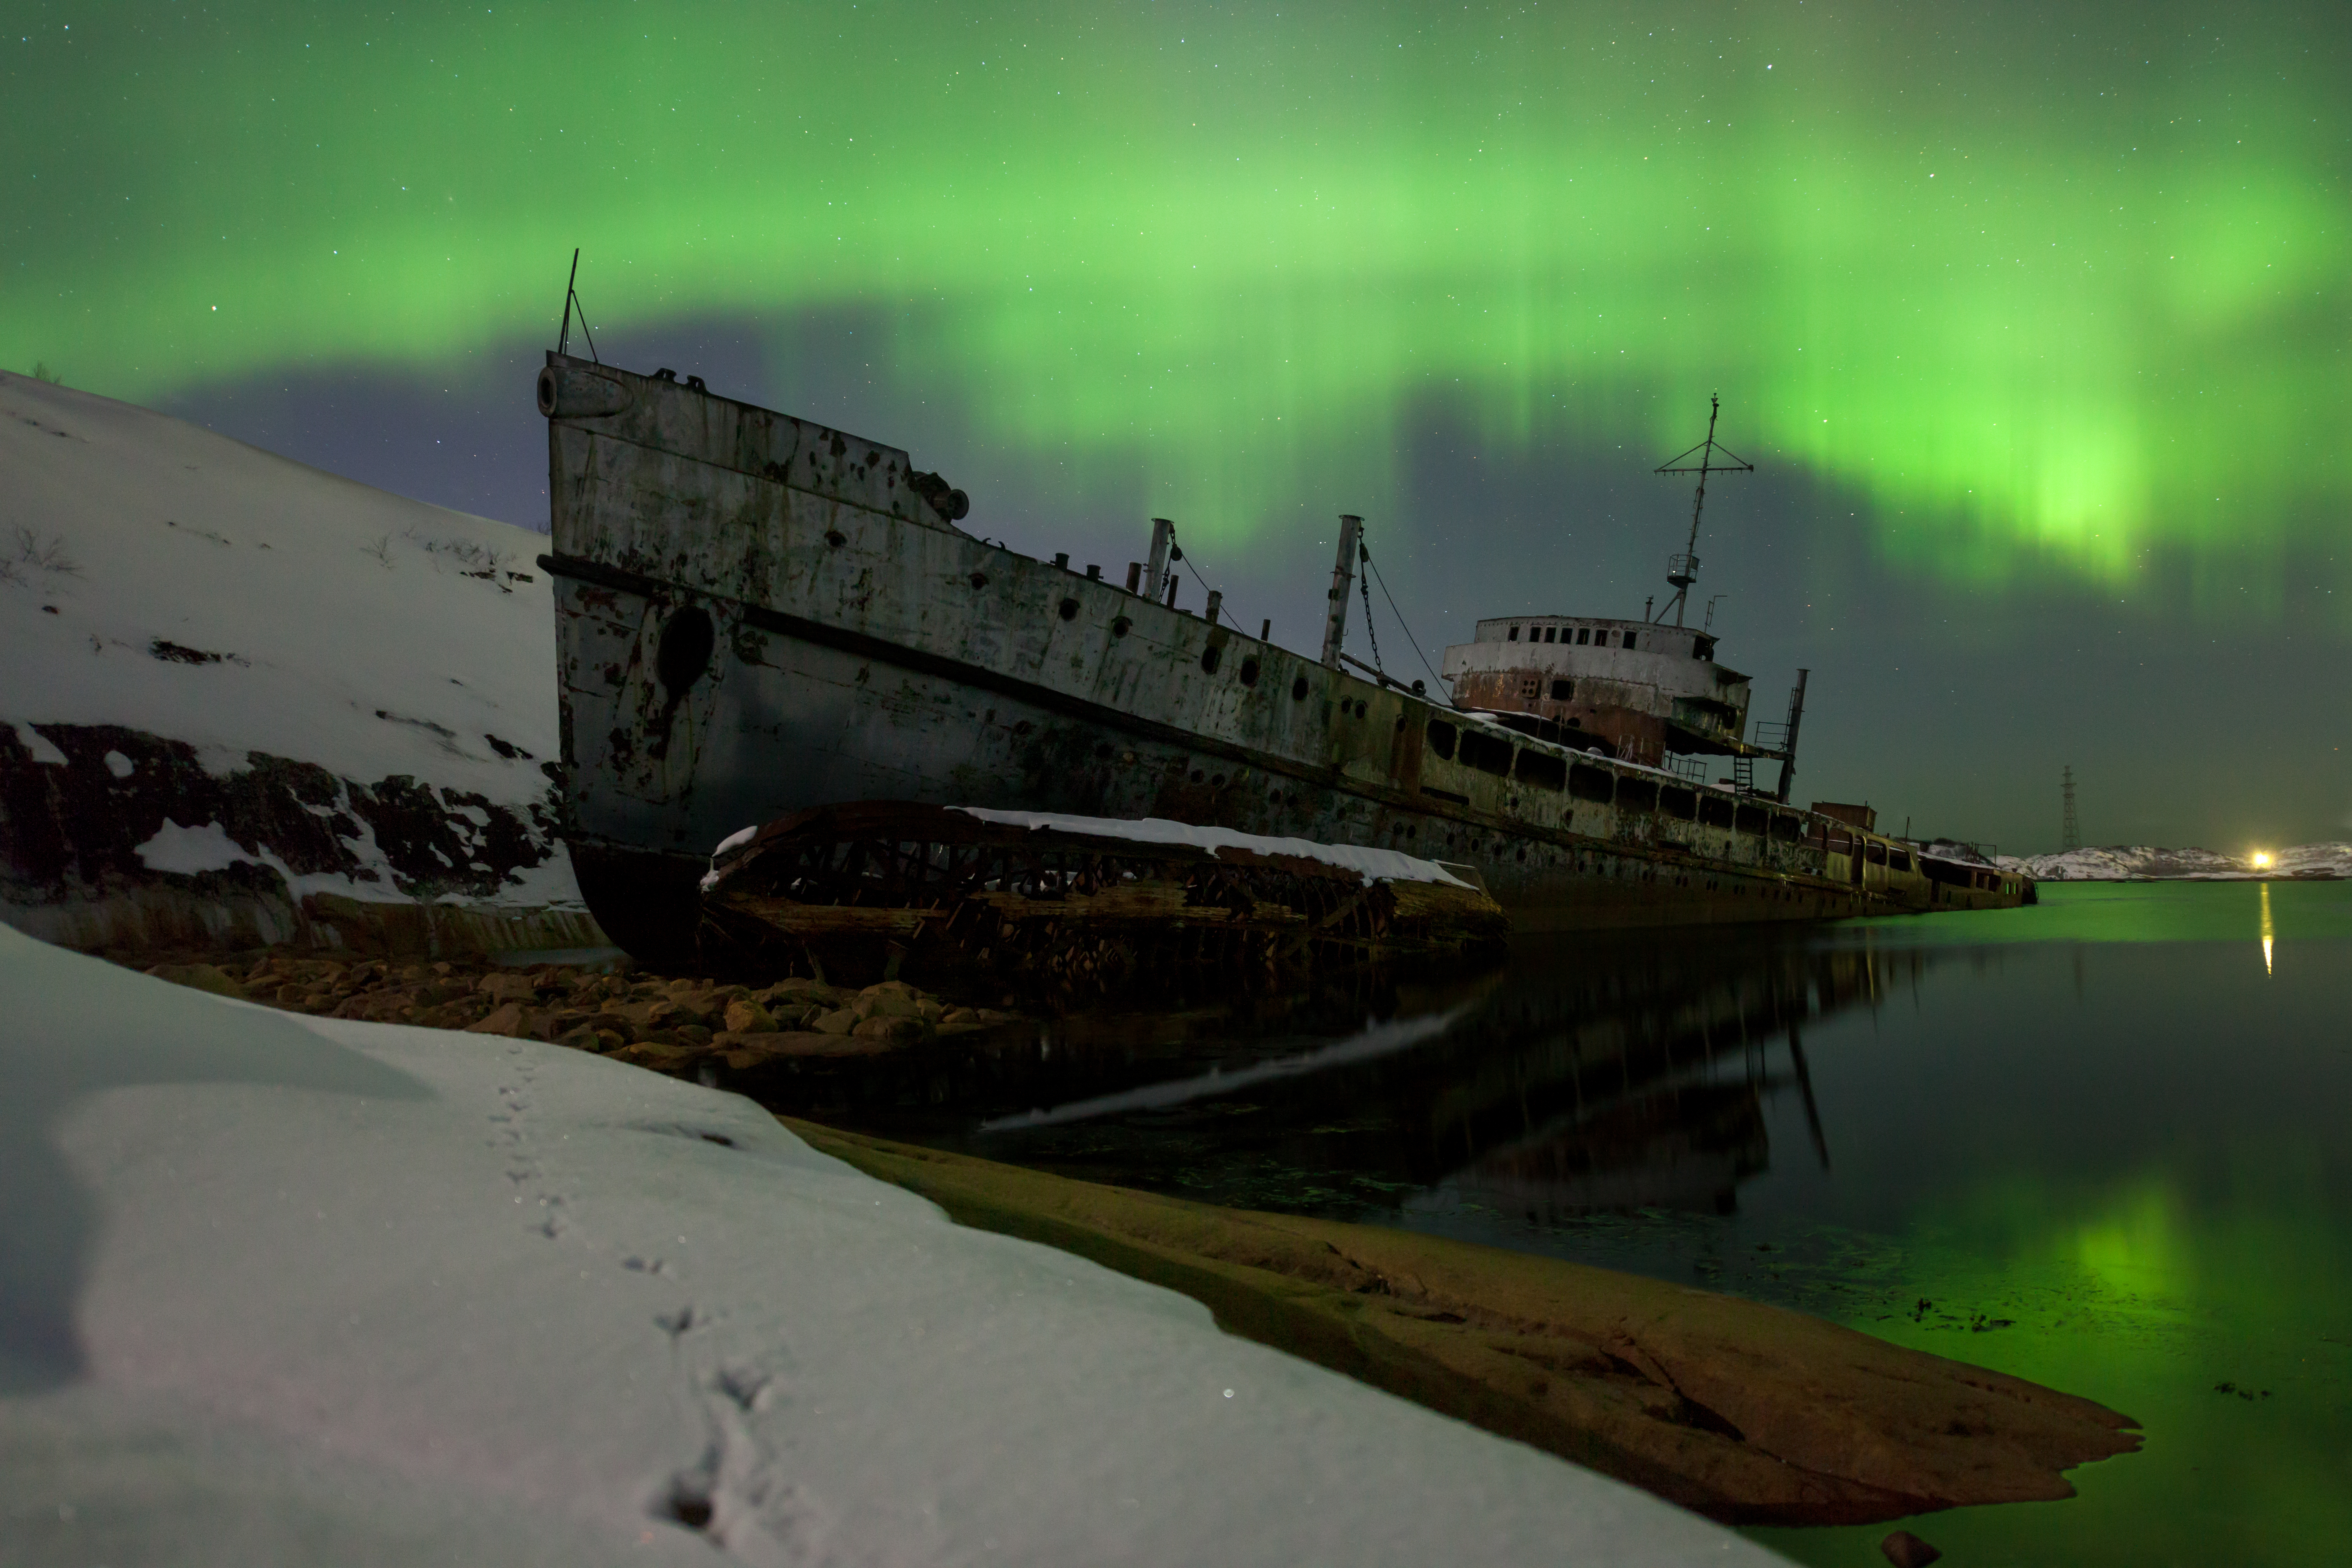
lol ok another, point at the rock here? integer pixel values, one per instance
(900, 1030)
(745, 1017)
(508, 986)
(645, 1053)
(879, 1002)
(840, 1021)
(745, 1052)
(811, 990)
(200, 977)
(1906, 1549)
(507, 1019)
(961, 1018)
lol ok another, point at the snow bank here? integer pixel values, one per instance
(351, 626)
(2120, 863)
(1372, 865)
(188, 622)
(293, 1289)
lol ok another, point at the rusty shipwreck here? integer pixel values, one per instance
(758, 616)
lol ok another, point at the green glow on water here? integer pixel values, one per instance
(2035, 286)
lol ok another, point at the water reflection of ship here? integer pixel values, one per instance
(1648, 1089)
(1580, 1078)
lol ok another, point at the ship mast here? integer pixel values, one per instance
(1682, 570)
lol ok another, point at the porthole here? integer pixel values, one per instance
(1069, 609)
(1102, 753)
(684, 652)
(1118, 628)
(1359, 709)
(1249, 671)
(1216, 781)
(835, 538)
(1210, 657)
(1196, 775)
(1299, 690)
(980, 579)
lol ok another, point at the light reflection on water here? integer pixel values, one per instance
(2088, 1143)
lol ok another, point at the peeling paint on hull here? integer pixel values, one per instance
(756, 616)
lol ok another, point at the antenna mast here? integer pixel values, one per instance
(1682, 570)
(571, 304)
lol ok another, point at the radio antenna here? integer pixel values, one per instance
(1682, 570)
(572, 302)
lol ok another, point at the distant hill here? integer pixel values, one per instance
(246, 699)
(2143, 862)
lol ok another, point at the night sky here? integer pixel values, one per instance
(2033, 318)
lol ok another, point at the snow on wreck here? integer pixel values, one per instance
(897, 887)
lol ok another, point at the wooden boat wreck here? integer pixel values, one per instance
(758, 616)
(867, 887)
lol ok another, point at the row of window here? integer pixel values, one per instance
(1490, 753)
(1583, 635)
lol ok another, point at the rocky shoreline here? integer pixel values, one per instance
(674, 1025)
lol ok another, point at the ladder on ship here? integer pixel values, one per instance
(1743, 774)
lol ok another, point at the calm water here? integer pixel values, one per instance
(2104, 1144)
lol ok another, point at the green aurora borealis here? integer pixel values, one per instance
(2039, 286)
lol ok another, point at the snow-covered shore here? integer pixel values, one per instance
(2144, 862)
(278, 1289)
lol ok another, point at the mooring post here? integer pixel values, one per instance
(1163, 537)
(1343, 577)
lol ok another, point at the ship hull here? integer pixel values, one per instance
(757, 615)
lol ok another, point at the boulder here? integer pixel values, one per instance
(744, 1053)
(507, 1019)
(201, 977)
(880, 1004)
(745, 1017)
(897, 1030)
(1906, 1549)
(505, 986)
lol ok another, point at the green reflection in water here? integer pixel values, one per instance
(2222, 1327)
(2155, 1215)
(2251, 912)
(2042, 284)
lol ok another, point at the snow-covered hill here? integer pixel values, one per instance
(2120, 863)
(243, 698)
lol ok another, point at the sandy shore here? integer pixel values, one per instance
(1746, 1413)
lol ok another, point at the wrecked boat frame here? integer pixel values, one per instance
(864, 888)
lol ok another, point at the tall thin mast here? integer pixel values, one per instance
(1682, 570)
